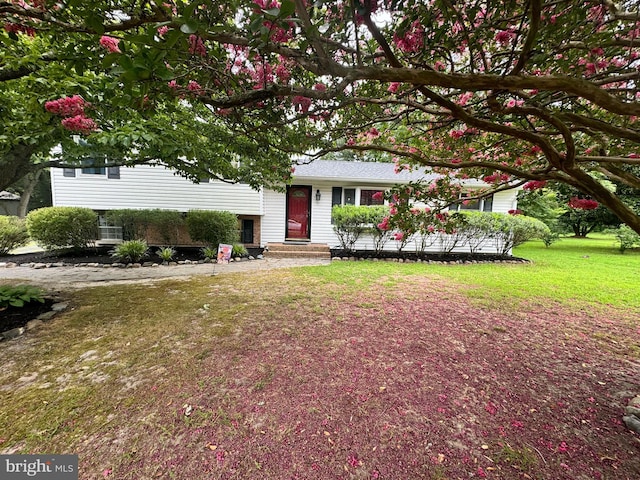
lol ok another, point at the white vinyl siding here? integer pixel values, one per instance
(145, 186)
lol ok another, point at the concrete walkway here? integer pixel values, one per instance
(79, 277)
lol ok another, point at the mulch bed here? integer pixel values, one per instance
(100, 255)
(15, 317)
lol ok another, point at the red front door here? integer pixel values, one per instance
(298, 212)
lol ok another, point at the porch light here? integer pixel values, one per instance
(318, 195)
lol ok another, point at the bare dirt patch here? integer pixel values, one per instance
(276, 375)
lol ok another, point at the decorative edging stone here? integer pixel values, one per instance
(631, 416)
(39, 265)
(36, 322)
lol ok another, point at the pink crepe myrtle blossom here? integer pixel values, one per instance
(399, 236)
(379, 195)
(195, 87)
(456, 134)
(512, 103)
(196, 46)
(302, 104)
(412, 40)
(384, 225)
(162, 31)
(491, 178)
(80, 124)
(504, 37)
(66, 106)
(464, 98)
(393, 87)
(534, 185)
(17, 28)
(320, 87)
(515, 212)
(110, 43)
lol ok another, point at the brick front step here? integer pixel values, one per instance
(297, 250)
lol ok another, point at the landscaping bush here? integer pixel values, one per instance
(454, 234)
(166, 253)
(131, 251)
(239, 250)
(212, 227)
(18, 295)
(59, 227)
(349, 222)
(375, 216)
(514, 230)
(168, 223)
(13, 233)
(136, 223)
(209, 253)
(627, 238)
(479, 228)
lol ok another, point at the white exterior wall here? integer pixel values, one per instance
(274, 220)
(145, 186)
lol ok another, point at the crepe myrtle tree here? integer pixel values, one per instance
(55, 113)
(511, 92)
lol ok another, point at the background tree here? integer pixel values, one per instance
(513, 92)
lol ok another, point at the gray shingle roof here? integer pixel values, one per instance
(372, 172)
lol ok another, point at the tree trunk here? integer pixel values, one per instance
(593, 187)
(31, 182)
(16, 164)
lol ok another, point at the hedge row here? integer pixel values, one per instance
(476, 230)
(61, 227)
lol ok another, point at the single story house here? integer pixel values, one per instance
(301, 214)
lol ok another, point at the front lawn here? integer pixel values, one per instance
(354, 370)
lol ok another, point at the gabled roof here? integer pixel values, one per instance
(369, 172)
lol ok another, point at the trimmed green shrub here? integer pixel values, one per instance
(59, 227)
(168, 223)
(375, 215)
(454, 234)
(627, 238)
(349, 222)
(18, 295)
(13, 233)
(212, 227)
(479, 228)
(131, 251)
(514, 230)
(136, 223)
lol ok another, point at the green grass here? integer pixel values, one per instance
(581, 272)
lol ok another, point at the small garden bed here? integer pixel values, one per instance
(16, 317)
(101, 255)
(425, 257)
